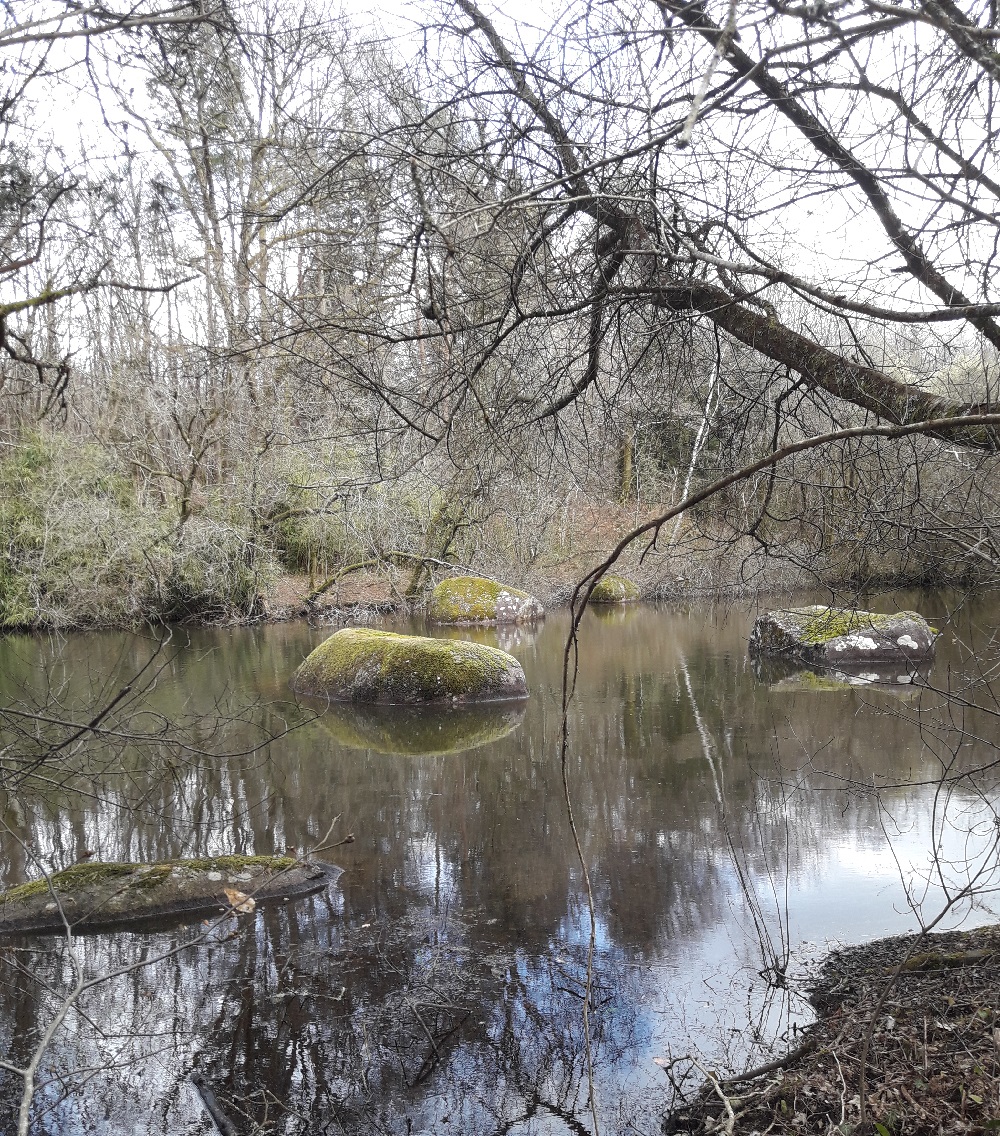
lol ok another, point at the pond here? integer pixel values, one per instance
(735, 825)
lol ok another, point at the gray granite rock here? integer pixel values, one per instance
(830, 635)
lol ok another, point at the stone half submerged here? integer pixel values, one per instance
(474, 600)
(362, 665)
(830, 636)
(94, 895)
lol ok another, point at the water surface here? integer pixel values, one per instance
(733, 828)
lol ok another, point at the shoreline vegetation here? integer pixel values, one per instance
(89, 540)
(372, 595)
(919, 1015)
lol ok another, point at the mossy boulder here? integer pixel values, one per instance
(421, 730)
(612, 589)
(362, 665)
(829, 636)
(471, 599)
(97, 895)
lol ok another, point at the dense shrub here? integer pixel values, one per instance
(80, 547)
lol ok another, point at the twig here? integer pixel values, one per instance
(323, 843)
(843, 1088)
(727, 1104)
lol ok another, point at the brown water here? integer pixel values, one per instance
(733, 828)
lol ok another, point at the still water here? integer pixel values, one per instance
(734, 826)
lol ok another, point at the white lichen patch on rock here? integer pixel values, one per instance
(475, 600)
(854, 643)
(820, 635)
(359, 664)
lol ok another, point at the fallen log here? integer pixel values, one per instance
(97, 895)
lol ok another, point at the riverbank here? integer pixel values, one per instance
(89, 540)
(923, 1022)
(374, 592)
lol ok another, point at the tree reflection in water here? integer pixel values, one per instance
(438, 986)
(303, 1023)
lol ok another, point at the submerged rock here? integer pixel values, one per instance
(471, 599)
(96, 895)
(612, 589)
(421, 730)
(362, 665)
(828, 636)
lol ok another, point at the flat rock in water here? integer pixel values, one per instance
(829, 636)
(473, 600)
(94, 894)
(362, 665)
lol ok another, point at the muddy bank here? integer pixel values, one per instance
(922, 1019)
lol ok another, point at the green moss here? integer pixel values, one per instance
(70, 879)
(810, 680)
(362, 665)
(612, 589)
(943, 960)
(819, 624)
(234, 863)
(472, 599)
(148, 878)
(145, 877)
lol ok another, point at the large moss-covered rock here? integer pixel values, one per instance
(362, 665)
(421, 730)
(829, 636)
(612, 589)
(471, 599)
(95, 895)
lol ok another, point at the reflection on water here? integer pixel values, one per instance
(615, 613)
(793, 674)
(425, 730)
(511, 637)
(438, 986)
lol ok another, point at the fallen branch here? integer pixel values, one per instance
(212, 1106)
(806, 1047)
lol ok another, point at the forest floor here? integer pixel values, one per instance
(922, 1020)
